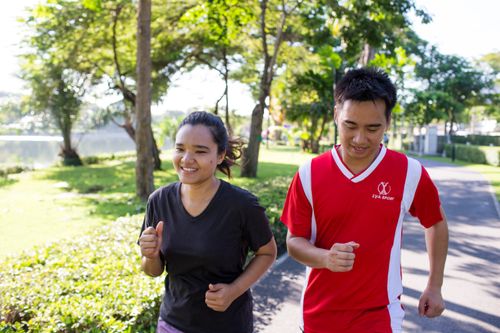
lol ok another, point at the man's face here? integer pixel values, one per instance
(361, 127)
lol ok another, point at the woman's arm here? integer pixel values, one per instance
(152, 267)
(220, 295)
(150, 243)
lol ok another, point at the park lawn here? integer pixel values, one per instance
(56, 203)
(63, 202)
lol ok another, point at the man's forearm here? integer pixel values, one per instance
(304, 252)
(437, 247)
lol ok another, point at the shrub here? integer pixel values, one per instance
(475, 154)
(272, 194)
(478, 140)
(91, 285)
(96, 159)
(8, 170)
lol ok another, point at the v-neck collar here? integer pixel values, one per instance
(210, 204)
(359, 177)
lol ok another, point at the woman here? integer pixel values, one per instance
(200, 230)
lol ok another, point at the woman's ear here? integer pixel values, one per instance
(220, 157)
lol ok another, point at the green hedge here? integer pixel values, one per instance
(475, 154)
(93, 284)
(8, 170)
(96, 159)
(272, 194)
(477, 140)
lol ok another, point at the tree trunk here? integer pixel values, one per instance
(447, 135)
(156, 152)
(226, 93)
(251, 152)
(68, 154)
(143, 134)
(315, 144)
(127, 94)
(451, 115)
(367, 55)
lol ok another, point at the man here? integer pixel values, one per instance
(344, 212)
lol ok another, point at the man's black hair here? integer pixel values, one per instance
(367, 84)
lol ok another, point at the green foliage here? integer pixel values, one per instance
(450, 85)
(9, 170)
(94, 284)
(477, 140)
(475, 154)
(168, 128)
(91, 285)
(271, 194)
(383, 25)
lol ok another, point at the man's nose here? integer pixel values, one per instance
(359, 137)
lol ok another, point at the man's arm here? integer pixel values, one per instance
(339, 258)
(431, 302)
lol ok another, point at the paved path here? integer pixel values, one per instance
(472, 277)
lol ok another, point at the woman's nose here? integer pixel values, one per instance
(187, 157)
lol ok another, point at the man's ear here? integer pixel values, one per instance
(335, 115)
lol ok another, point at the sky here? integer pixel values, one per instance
(460, 27)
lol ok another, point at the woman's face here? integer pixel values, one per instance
(195, 156)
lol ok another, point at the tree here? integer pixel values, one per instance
(57, 88)
(451, 84)
(310, 99)
(58, 91)
(357, 30)
(215, 39)
(493, 106)
(99, 37)
(367, 28)
(143, 135)
(273, 25)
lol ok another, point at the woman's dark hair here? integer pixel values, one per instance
(232, 146)
(367, 84)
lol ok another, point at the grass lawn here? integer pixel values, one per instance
(65, 202)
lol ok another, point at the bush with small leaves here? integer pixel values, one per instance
(93, 284)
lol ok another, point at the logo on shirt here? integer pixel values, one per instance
(383, 190)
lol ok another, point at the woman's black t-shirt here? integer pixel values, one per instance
(209, 248)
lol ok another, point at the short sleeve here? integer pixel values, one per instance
(297, 211)
(426, 204)
(150, 219)
(256, 229)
